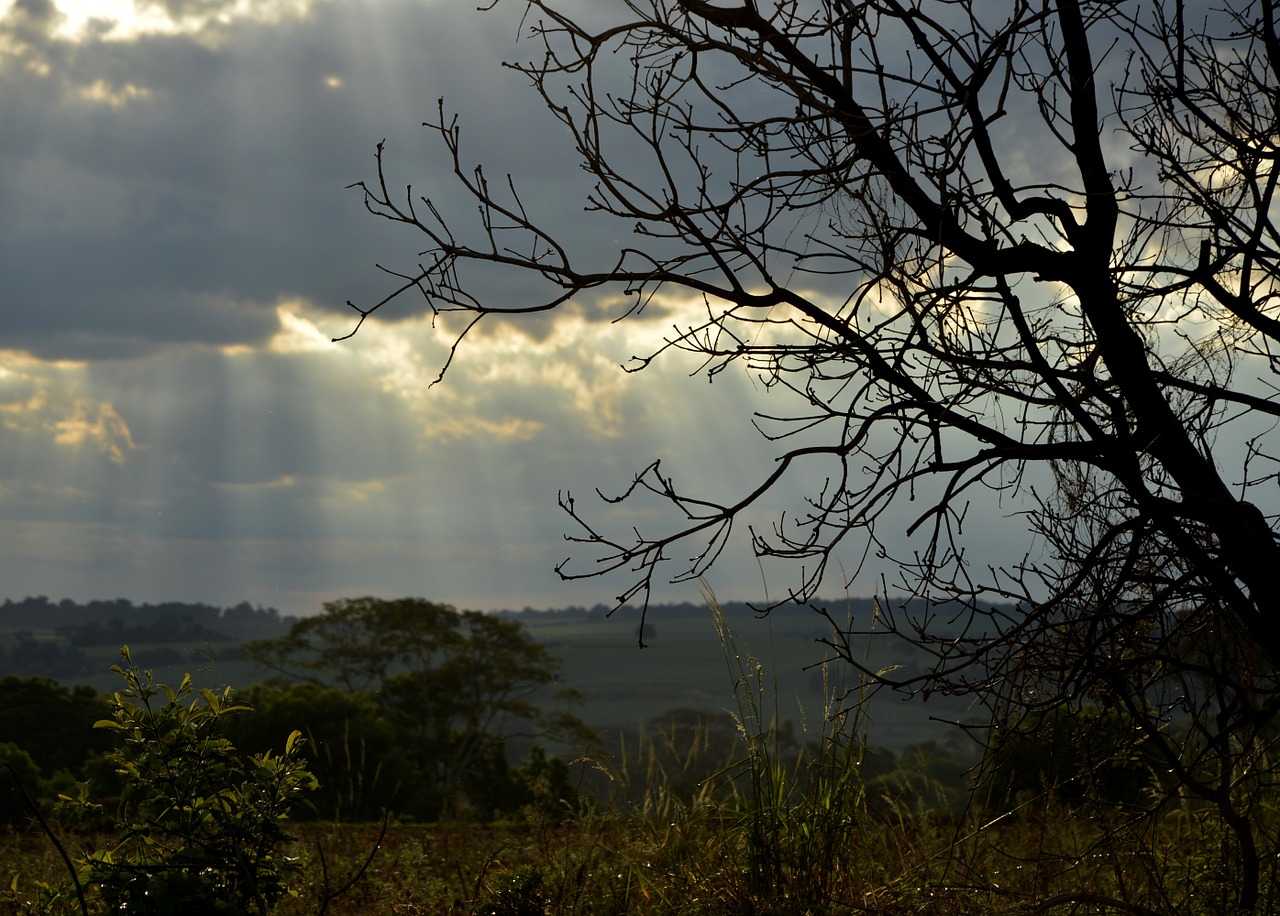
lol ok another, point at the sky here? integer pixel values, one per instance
(177, 242)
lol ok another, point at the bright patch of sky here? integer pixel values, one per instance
(125, 20)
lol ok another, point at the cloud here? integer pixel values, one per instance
(47, 401)
(297, 334)
(102, 92)
(170, 189)
(191, 453)
(95, 423)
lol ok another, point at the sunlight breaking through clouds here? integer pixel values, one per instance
(125, 20)
(44, 399)
(297, 333)
(113, 96)
(95, 423)
(284, 481)
(176, 419)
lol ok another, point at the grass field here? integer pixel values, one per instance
(704, 860)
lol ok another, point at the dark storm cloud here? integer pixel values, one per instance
(42, 15)
(170, 189)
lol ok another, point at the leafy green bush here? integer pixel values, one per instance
(198, 826)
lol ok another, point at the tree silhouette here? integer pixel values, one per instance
(1022, 252)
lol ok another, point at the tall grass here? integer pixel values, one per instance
(796, 811)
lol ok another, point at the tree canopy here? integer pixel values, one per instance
(450, 685)
(1026, 250)
(1019, 253)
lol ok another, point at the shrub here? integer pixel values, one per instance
(198, 826)
(1081, 755)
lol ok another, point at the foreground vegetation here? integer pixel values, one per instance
(681, 821)
(963, 342)
(724, 855)
(703, 862)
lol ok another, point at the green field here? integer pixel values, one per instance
(684, 666)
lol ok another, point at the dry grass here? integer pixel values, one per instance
(702, 860)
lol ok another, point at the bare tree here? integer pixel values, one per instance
(1026, 248)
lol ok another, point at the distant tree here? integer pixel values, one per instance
(452, 684)
(52, 722)
(928, 779)
(30, 655)
(1020, 254)
(682, 752)
(362, 766)
(20, 780)
(247, 622)
(1081, 756)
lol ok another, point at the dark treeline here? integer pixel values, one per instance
(49, 638)
(119, 621)
(113, 621)
(688, 610)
